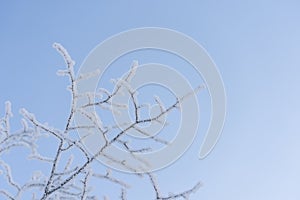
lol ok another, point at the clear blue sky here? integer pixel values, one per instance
(255, 44)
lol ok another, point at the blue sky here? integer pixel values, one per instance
(255, 45)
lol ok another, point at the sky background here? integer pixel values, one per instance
(255, 44)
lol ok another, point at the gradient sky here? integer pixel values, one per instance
(255, 44)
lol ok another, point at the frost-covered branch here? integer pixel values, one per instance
(69, 173)
(184, 195)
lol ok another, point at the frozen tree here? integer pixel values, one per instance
(71, 173)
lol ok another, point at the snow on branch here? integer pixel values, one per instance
(70, 173)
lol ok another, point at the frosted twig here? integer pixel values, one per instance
(110, 178)
(154, 185)
(85, 182)
(8, 175)
(184, 194)
(117, 89)
(159, 196)
(123, 194)
(6, 194)
(70, 72)
(5, 120)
